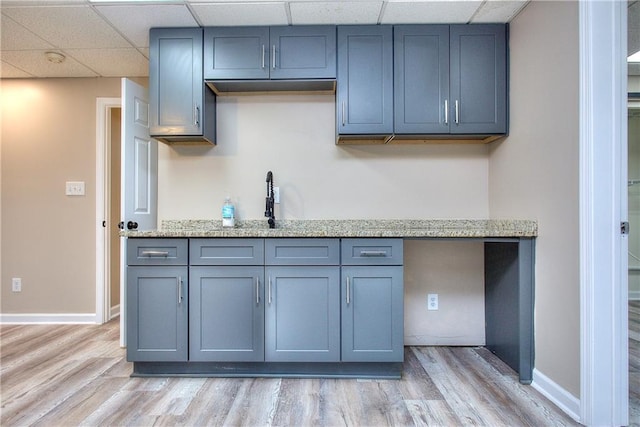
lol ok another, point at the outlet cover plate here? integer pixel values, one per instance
(74, 188)
(432, 301)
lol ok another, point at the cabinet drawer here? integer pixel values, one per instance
(226, 252)
(302, 252)
(157, 251)
(372, 252)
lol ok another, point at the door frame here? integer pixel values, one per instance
(103, 149)
(604, 380)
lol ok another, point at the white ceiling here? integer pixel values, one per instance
(110, 39)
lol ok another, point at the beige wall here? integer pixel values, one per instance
(534, 174)
(48, 239)
(294, 136)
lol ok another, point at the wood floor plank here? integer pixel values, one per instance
(72, 375)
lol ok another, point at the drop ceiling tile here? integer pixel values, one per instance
(34, 62)
(67, 26)
(494, 11)
(226, 14)
(112, 62)
(134, 21)
(8, 71)
(429, 12)
(337, 12)
(14, 36)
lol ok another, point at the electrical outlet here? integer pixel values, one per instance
(74, 188)
(276, 194)
(16, 284)
(432, 301)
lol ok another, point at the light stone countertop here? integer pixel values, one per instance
(406, 228)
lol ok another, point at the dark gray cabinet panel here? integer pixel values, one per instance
(478, 79)
(258, 53)
(181, 107)
(303, 52)
(372, 251)
(312, 251)
(236, 53)
(157, 301)
(364, 98)
(226, 252)
(372, 314)
(421, 79)
(157, 252)
(302, 314)
(226, 314)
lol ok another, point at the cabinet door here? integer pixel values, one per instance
(478, 79)
(302, 314)
(157, 301)
(372, 314)
(421, 79)
(364, 99)
(303, 52)
(236, 53)
(226, 314)
(176, 90)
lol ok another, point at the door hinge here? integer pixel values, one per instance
(624, 227)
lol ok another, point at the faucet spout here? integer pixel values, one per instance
(270, 202)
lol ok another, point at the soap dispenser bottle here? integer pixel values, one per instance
(228, 213)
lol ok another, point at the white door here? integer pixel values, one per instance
(139, 176)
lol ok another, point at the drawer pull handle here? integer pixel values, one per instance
(269, 290)
(446, 111)
(348, 291)
(179, 282)
(257, 290)
(373, 253)
(155, 253)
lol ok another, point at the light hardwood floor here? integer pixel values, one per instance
(69, 375)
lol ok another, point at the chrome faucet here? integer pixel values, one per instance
(269, 212)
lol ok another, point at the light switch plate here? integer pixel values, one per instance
(74, 188)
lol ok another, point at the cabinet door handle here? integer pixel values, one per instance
(263, 54)
(269, 290)
(155, 253)
(179, 283)
(373, 253)
(196, 113)
(348, 291)
(343, 113)
(457, 113)
(273, 63)
(446, 111)
(257, 290)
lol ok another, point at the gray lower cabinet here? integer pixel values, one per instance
(157, 300)
(157, 309)
(372, 300)
(302, 314)
(226, 313)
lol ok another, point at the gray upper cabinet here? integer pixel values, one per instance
(364, 98)
(450, 79)
(258, 53)
(479, 79)
(182, 107)
(421, 79)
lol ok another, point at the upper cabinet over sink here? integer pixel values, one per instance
(445, 82)
(293, 58)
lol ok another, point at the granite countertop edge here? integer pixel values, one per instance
(411, 228)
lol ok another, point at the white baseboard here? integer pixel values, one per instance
(48, 318)
(114, 312)
(564, 400)
(634, 295)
